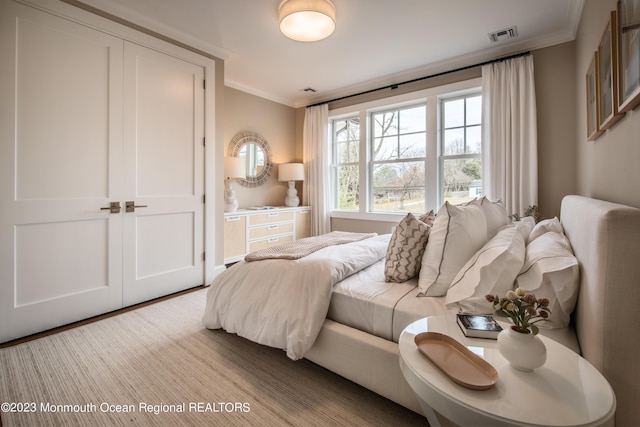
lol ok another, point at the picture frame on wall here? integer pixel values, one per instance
(628, 29)
(607, 76)
(593, 126)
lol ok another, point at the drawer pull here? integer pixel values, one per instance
(272, 227)
(232, 218)
(272, 214)
(272, 240)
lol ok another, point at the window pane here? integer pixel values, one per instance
(474, 110)
(342, 152)
(462, 180)
(413, 145)
(413, 120)
(453, 113)
(385, 123)
(348, 186)
(346, 130)
(474, 141)
(399, 187)
(385, 148)
(340, 130)
(454, 141)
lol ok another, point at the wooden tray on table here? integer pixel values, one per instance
(459, 363)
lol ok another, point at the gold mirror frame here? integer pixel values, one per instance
(240, 145)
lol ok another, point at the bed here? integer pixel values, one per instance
(355, 317)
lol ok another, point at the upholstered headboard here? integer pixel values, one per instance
(606, 240)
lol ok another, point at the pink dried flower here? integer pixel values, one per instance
(524, 309)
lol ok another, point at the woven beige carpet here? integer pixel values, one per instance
(158, 365)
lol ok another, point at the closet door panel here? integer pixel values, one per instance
(164, 152)
(61, 162)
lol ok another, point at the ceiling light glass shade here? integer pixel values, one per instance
(307, 20)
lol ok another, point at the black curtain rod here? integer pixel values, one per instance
(396, 85)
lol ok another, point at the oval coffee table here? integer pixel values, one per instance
(566, 391)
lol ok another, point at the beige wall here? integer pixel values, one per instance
(554, 69)
(277, 124)
(607, 168)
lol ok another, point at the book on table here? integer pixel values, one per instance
(478, 326)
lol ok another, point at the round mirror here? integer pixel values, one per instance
(255, 150)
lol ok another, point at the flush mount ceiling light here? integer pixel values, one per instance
(307, 20)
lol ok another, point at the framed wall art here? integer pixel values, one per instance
(593, 129)
(628, 33)
(607, 76)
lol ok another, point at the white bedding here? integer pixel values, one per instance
(288, 310)
(366, 302)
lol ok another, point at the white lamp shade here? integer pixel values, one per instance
(291, 172)
(234, 168)
(307, 20)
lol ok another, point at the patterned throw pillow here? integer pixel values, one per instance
(406, 247)
(428, 218)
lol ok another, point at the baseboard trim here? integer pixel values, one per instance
(96, 318)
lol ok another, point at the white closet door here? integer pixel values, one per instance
(60, 163)
(164, 152)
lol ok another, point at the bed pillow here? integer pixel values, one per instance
(405, 250)
(545, 226)
(428, 218)
(492, 270)
(496, 215)
(457, 233)
(551, 271)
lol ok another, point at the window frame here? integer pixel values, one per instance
(431, 98)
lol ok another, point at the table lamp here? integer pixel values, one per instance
(291, 172)
(234, 169)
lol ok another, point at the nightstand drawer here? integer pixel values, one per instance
(267, 243)
(234, 235)
(270, 230)
(270, 217)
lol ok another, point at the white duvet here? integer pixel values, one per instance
(283, 303)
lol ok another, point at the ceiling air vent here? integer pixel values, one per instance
(501, 35)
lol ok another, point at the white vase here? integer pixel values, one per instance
(524, 352)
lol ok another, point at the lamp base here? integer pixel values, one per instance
(292, 200)
(230, 201)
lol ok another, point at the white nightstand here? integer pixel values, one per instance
(566, 391)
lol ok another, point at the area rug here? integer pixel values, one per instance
(158, 365)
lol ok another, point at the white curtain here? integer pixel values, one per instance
(317, 188)
(509, 154)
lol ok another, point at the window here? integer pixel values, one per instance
(398, 155)
(461, 148)
(408, 153)
(346, 152)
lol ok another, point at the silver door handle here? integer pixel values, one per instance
(114, 207)
(130, 206)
